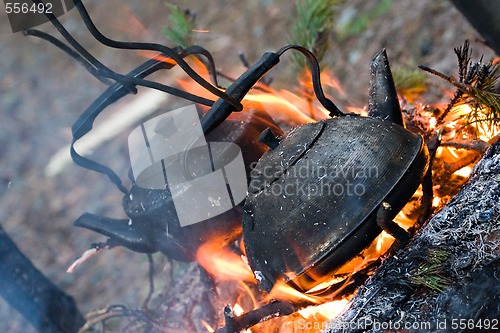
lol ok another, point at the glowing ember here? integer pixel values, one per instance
(464, 172)
(436, 201)
(238, 310)
(383, 241)
(327, 310)
(432, 123)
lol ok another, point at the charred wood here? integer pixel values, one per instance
(449, 271)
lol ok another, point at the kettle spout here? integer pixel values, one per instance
(119, 232)
(383, 100)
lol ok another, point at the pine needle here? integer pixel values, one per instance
(430, 276)
(410, 82)
(430, 273)
(180, 26)
(409, 78)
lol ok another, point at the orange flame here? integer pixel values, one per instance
(129, 23)
(283, 291)
(223, 263)
(328, 310)
(207, 326)
(155, 55)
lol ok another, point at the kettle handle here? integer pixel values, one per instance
(238, 89)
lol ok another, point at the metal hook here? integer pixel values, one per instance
(316, 78)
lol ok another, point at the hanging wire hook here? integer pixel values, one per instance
(133, 46)
(69, 51)
(125, 84)
(316, 78)
(125, 80)
(227, 103)
(84, 123)
(153, 47)
(222, 109)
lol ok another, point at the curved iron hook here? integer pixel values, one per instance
(316, 78)
(69, 51)
(136, 46)
(153, 47)
(222, 109)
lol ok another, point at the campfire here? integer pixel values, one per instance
(464, 133)
(243, 282)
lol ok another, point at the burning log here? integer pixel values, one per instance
(249, 319)
(449, 272)
(188, 306)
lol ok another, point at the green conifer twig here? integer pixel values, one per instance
(477, 85)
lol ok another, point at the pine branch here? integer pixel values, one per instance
(478, 86)
(464, 58)
(312, 26)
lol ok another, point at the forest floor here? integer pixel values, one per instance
(42, 92)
